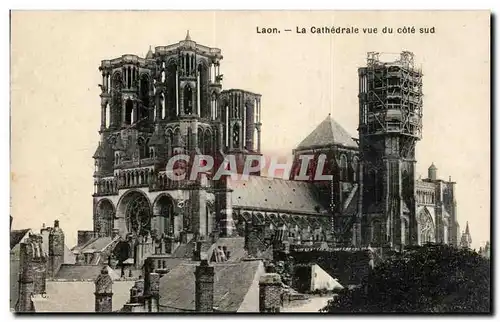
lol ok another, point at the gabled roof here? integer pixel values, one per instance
(16, 236)
(328, 132)
(232, 282)
(83, 272)
(276, 194)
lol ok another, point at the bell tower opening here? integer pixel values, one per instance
(188, 100)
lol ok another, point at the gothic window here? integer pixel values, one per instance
(426, 228)
(188, 100)
(343, 168)
(171, 92)
(203, 87)
(129, 78)
(162, 104)
(129, 109)
(165, 210)
(138, 214)
(200, 140)
(143, 148)
(108, 115)
(236, 136)
(355, 169)
(116, 98)
(213, 106)
(207, 142)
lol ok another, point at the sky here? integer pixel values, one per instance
(55, 104)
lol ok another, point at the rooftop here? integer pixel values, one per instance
(328, 133)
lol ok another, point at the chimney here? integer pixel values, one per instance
(32, 272)
(56, 249)
(251, 240)
(270, 292)
(103, 292)
(137, 292)
(152, 292)
(204, 287)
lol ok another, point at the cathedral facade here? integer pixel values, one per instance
(172, 103)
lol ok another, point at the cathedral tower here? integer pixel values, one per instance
(171, 102)
(390, 124)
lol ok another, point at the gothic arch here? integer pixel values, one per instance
(236, 135)
(135, 207)
(188, 103)
(426, 227)
(164, 214)
(143, 148)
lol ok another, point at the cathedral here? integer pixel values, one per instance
(172, 102)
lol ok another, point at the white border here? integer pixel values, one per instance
(187, 5)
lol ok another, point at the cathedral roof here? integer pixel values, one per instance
(276, 194)
(327, 133)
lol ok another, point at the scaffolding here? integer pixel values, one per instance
(391, 96)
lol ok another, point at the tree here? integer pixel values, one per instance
(430, 278)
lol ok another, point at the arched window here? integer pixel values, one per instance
(426, 227)
(129, 109)
(165, 210)
(108, 115)
(143, 148)
(355, 169)
(343, 168)
(129, 78)
(162, 102)
(116, 99)
(137, 213)
(203, 88)
(188, 100)
(236, 136)
(171, 97)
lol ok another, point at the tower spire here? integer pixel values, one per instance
(188, 37)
